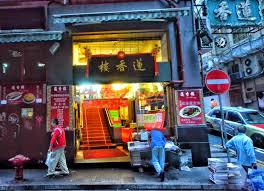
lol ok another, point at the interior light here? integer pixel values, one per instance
(4, 67)
(41, 65)
(160, 87)
(116, 87)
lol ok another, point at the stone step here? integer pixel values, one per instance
(97, 146)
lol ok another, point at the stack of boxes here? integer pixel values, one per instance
(221, 172)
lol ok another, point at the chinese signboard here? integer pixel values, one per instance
(189, 107)
(60, 105)
(142, 64)
(234, 13)
(23, 94)
(111, 68)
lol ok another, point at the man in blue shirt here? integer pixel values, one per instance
(243, 146)
(158, 152)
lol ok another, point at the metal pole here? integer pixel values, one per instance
(223, 129)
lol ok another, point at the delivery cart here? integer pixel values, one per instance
(140, 155)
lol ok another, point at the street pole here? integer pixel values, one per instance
(223, 129)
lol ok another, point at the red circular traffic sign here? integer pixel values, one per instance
(217, 81)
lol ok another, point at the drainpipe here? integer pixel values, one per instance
(201, 66)
(179, 42)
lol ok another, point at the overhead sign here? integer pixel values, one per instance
(234, 13)
(108, 65)
(217, 81)
(105, 68)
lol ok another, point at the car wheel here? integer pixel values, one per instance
(258, 140)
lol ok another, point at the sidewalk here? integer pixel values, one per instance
(112, 179)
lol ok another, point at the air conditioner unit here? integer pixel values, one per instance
(250, 65)
(203, 24)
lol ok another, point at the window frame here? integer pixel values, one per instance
(238, 114)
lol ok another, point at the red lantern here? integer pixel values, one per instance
(121, 55)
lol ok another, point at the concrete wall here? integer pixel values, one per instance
(195, 137)
(60, 64)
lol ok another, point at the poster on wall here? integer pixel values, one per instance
(23, 93)
(60, 105)
(189, 107)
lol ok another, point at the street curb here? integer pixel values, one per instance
(101, 186)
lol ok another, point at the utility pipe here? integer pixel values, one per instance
(179, 42)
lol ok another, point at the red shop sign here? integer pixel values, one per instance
(189, 107)
(23, 93)
(60, 105)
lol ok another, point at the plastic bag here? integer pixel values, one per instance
(49, 159)
(257, 179)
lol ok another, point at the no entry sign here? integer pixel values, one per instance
(217, 81)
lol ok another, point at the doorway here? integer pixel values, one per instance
(107, 117)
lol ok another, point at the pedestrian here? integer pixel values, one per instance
(243, 146)
(260, 96)
(158, 141)
(57, 147)
(213, 103)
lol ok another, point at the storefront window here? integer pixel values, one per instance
(141, 91)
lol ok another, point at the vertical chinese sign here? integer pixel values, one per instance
(60, 105)
(189, 107)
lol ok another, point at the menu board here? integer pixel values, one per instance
(151, 120)
(23, 93)
(189, 107)
(60, 105)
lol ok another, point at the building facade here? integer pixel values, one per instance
(70, 56)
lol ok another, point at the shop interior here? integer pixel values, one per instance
(109, 115)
